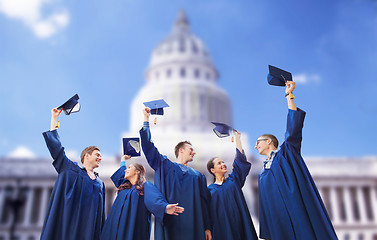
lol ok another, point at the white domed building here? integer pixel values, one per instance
(181, 72)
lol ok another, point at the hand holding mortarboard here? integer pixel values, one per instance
(147, 114)
(70, 106)
(125, 158)
(54, 116)
(279, 77)
(156, 107)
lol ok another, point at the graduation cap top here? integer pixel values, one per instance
(277, 76)
(71, 106)
(131, 146)
(156, 106)
(222, 130)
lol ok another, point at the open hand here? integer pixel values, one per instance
(174, 209)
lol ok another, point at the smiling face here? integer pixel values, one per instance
(131, 172)
(187, 152)
(219, 167)
(93, 159)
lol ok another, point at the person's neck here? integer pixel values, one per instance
(133, 180)
(268, 154)
(219, 178)
(90, 170)
(181, 161)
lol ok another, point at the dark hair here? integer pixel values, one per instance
(179, 146)
(140, 180)
(211, 165)
(275, 141)
(88, 150)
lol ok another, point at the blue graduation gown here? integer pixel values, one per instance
(128, 218)
(183, 185)
(229, 211)
(76, 208)
(290, 206)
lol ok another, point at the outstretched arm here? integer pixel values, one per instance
(157, 204)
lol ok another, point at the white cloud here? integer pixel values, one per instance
(21, 152)
(306, 78)
(30, 12)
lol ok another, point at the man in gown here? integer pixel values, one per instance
(290, 206)
(179, 184)
(76, 209)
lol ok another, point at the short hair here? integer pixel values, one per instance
(179, 146)
(275, 141)
(88, 150)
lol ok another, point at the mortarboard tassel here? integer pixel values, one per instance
(155, 120)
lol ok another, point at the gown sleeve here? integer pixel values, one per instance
(206, 201)
(56, 149)
(118, 176)
(155, 201)
(293, 134)
(153, 156)
(241, 168)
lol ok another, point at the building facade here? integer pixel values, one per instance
(182, 72)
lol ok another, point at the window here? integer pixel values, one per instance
(168, 73)
(182, 47)
(196, 73)
(183, 72)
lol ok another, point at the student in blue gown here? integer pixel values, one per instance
(129, 217)
(76, 207)
(182, 184)
(229, 212)
(290, 206)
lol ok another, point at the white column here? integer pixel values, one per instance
(334, 205)
(28, 206)
(373, 200)
(43, 206)
(361, 205)
(348, 204)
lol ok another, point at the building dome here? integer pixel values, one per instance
(181, 47)
(182, 73)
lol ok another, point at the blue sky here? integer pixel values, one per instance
(50, 50)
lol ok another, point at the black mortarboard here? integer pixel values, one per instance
(71, 106)
(277, 76)
(156, 106)
(131, 146)
(222, 130)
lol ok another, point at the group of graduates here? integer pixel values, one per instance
(290, 206)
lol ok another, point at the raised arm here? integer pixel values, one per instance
(54, 145)
(295, 121)
(118, 176)
(153, 156)
(54, 118)
(241, 167)
(289, 89)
